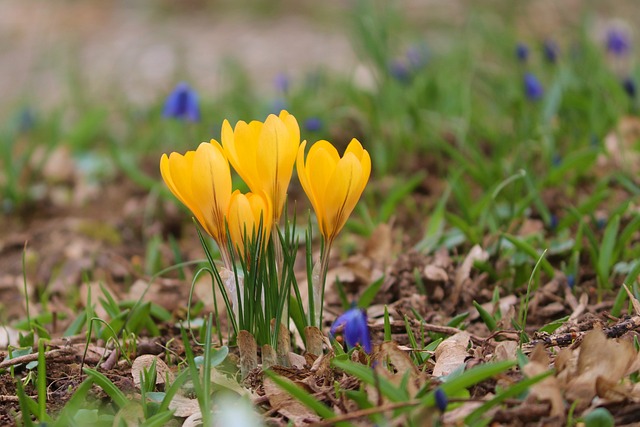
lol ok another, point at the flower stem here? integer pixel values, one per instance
(319, 279)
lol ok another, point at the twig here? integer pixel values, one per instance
(429, 327)
(34, 356)
(565, 339)
(365, 412)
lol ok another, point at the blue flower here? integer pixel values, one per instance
(532, 87)
(281, 82)
(441, 399)
(182, 104)
(356, 330)
(550, 49)
(522, 52)
(313, 124)
(629, 86)
(571, 280)
(400, 71)
(26, 119)
(417, 57)
(617, 42)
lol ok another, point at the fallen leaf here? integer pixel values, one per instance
(549, 388)
(184, 407)
(287, 405)
(143, 363)
(464, 271)
(599, 357)
(451, 354)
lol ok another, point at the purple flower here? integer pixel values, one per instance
(400, 71)
(441, 399)
(532, 87)
(278, 105)
(617, 42)
(522, 52)
(182, 104)
(571, 280)
(313, 124)
(356, 330)
(629, 86)
(550, 49)
(417, 56)
(281, 82)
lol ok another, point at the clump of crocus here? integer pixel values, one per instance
(182, 104)
(356, 329)
(334, 185)
(522, 52)
(617, 42)
(532, 87)
(201, 180)
(263, 154)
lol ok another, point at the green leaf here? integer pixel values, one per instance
(370, 293)
(302, 396)
(105, 384)
(513, 391)
(487, 318)
(532, 252)
(605, 254)
(472, 377)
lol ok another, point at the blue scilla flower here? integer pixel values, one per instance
(571, 280)
(532, 87)
(417, 57)
(182, 104)
(522, 52)
(617, 42)
(400, 71)
(441, 399)
(356, 330)
(550, 50)
(281, 82)
(629, 86)
(313, 124)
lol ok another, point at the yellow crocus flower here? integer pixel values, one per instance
(263, 154)
(244, 216)
(333, 184)
(201, 180)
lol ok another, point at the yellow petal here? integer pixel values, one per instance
(211, 186)
(244, 217)
(343, 196)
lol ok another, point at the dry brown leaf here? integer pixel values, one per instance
(505, 350)
(390, 353)
(143, 363)
(633, 299)
(379, 246)
(194, 420)
(435, 274)
(599, 357)
(464, 271)
(184, 407)
(619, 146)
(549, 388)
(287, 405)
(451, 354)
